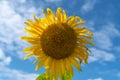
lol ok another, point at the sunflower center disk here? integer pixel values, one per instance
(58, 41)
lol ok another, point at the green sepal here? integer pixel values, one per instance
(67, 76)
(42, 77)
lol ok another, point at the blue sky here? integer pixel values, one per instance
(101, 16)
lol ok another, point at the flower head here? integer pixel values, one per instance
(57, 42)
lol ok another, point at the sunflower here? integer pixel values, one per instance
(57, 42)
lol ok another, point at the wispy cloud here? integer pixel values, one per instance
(12, 19)
(101, 56)
(118, 74)
(4, 60)
(104, 44)
(102, 40)
(117, 48)
(22, 1)
(12, 74)
(97, 79)
(53, 0)
(104, 36)
(11, 26)
(88, 5)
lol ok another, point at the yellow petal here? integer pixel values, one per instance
(35, 18)
(59, 15)
(34, 25)
(87, 32)
(73, 20)
(56, 69)
(75, 63)
(28, 55)
(47, 19)
(47, 62)
(82, 52)
(64, 15)
(82, 34)
(50, 15)
(45, 22)
(82, 40)
(80, 29)
(78, 23)
(40, 64)
(80, 59)
(32, 40)
(38, 58)
(62, 68)
(47, 73)
(68, 19)
(53, 65)
(86, 61)
(28, 49)
(31, 32)
(82, 45)
(69, 66)
(37, 51)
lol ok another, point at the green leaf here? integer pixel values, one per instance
(67, 76)
(42, 77)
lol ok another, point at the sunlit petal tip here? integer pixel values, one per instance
(28, 55)
(35, 18)
(23, 37)
(82, 22)
(49, 10)
(25, 22)
(26, 50)
(86, 61)
(93, 44)
(34, 61)
(25, 58)
(59, 9)
(36, 69)
(43, 12)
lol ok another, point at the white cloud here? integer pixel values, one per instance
(12, 74)
(53, 0)
(117, 48)
(96, 79)
(111, 30)
(102, 40)
(4, 60)
(103, 37)
(91, 24)
(12, 26)
(22, 1)
(100, 55)
(118, 75)
(88, 6)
